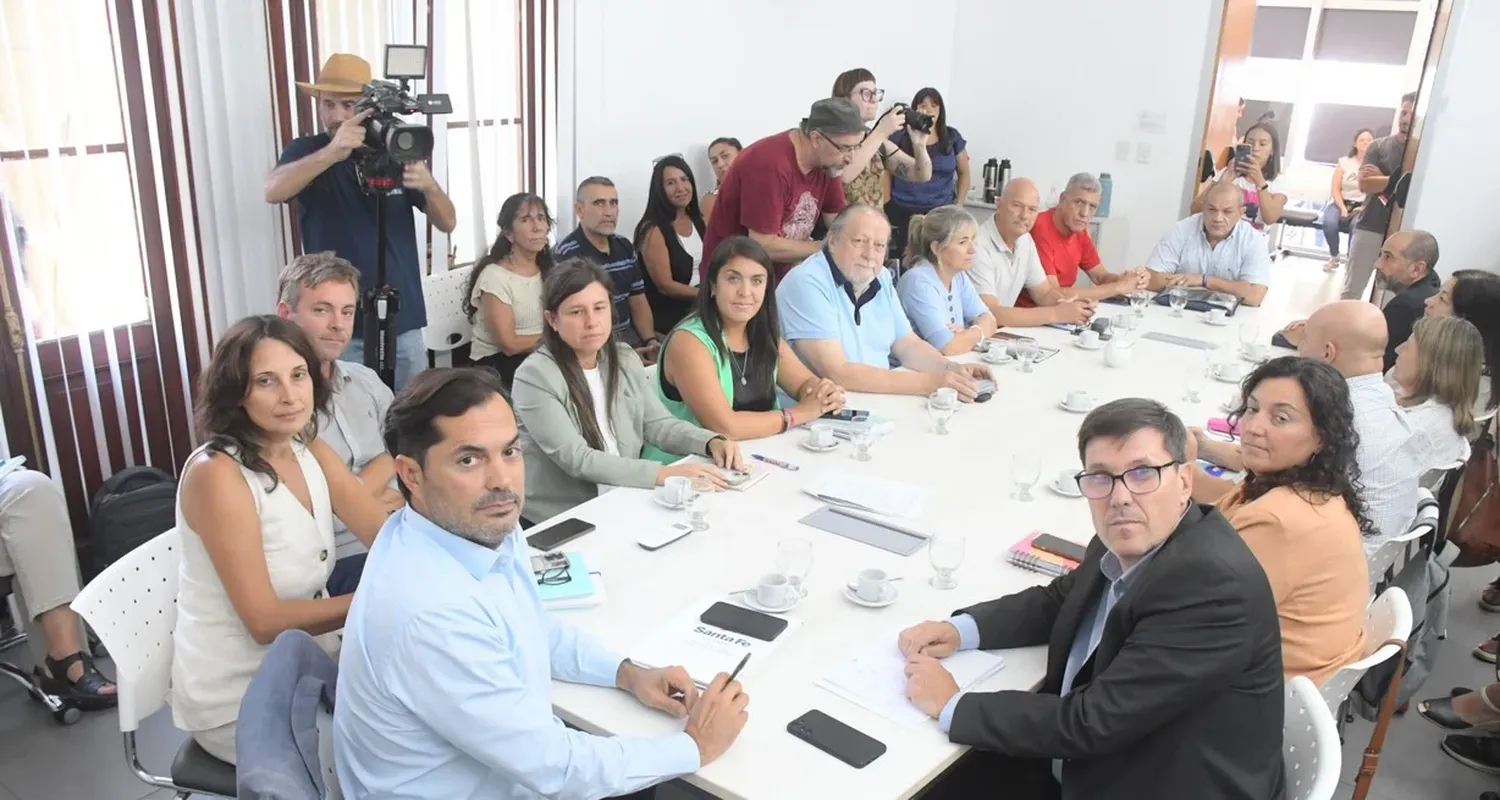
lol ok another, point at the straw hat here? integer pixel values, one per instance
(341, 74)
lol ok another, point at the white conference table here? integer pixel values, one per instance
(968, 473)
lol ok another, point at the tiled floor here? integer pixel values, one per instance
(40, 760)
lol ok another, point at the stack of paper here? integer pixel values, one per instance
(703, 650)
(581, 590)
(873, 495)
(1026, 556)
(876, 679)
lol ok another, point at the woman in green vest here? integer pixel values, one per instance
(721, 366)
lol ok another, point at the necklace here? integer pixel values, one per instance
(743, 368)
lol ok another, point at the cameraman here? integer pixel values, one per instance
(335, 212)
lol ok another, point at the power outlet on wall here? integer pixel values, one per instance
(1122, 150)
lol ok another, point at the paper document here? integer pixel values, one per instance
(703, 650)
(876, 679)
(874, 495)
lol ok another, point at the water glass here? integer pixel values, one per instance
(1138, 300)
(700, 502)
(1199, 368)
(1249, 334)
(861, 439)
(794, 560)
(946, 552)
(940, 415)
(1177, 299)
(1026, 353)
(1025, 471)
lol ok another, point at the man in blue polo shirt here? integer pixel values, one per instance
(336, 213)
(597, 206)
(840, 313)
(1217, 249)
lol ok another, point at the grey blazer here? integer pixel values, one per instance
(562, 471)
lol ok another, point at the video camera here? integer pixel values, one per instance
(391, 143)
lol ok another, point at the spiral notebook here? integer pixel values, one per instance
(1023, 555)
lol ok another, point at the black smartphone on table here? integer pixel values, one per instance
(836, 739)
(744, 621)
(1047, 543)
(557, 535)
(847, 415)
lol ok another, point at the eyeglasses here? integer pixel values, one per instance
(842, 148)
(1137, 480)
(555, 576)
(872, 95)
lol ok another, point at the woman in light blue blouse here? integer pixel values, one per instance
(935, 291)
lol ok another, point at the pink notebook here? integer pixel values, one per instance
(1023, 555)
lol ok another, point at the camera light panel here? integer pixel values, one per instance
(405, 61)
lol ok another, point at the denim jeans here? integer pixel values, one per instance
(1333, 224)
(411, 355)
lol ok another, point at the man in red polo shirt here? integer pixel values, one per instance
(779, 187)
(1062, 241)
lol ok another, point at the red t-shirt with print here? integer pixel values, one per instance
(1061, 255)
(766, 191)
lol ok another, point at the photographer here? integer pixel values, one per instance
(948, 181)
(864, 178)
(335, 212)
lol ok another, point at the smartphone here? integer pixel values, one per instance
(744, 621)
(1222, 425)
(1012, 337)
(836, 739)
(848, 415)
(1241, 153)
(1047, 543)
(557, 535)
(659, 539)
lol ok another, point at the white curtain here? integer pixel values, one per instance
(226, 72)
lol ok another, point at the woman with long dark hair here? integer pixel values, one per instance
(1344, 195)
(255, 511)
(587, 409)
(504, 296)
(669, 239)
(949, 183)
(1257, 175)
(721, 153)
(1299, 509)
(1474, 295)
(722, 366)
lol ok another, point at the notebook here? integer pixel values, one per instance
(876, 424)
(1023, 555)
(579, 587)
(1204, 300)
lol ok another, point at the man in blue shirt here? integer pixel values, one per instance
(448, 656)
(840, 313)
(597, 206)
(336, 213)
(1217, 249)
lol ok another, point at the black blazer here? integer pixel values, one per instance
(1182, 698)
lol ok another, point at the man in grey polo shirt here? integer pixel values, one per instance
(319, 292)
(1382, 160)
(1217, 249)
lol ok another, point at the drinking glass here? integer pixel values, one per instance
(1127, 319)
(1026, 354)
(1249, 334)
(1177, 299)
(940, 415)
(794, 560)
(1025, 471)
(700, 502)
(946, 552)
(1199, 368)
(862, 439)
(1138, 300)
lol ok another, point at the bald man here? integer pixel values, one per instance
(1407, 262)
(1351, 335)
(1217, 249)
(1006, 261)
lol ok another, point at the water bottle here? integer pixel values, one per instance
(1106, 186)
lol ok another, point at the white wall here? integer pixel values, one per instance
(1054, 86)
(1452, 192)
(652, 77)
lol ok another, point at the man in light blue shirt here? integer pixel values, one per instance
(448, 656)
(1217, 249)
(840, 313)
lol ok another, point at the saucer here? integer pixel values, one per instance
(1078, 343)
(806, 445)
(927, 402)
(1071, 491)
(1225, 379)
(1063, 404)
(665, 504)
(1263, 359)
(1210, 320)
(889, 596)
(748, 598)
(1006, 359)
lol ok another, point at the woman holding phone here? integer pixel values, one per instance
(1256, 169)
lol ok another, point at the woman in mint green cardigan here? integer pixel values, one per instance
(721, 367)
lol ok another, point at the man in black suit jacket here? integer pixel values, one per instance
(1164, 652)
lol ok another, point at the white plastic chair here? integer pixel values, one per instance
(132, 607)
(1389, 617)
(448, 327)
(1391, 549)
(1309, 743)
(1433, 479)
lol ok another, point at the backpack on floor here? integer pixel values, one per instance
(132, 506)
(1424, 579)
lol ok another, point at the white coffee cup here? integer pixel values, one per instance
(675, 490)
(1117, 355)
(1257, 351)
(819, 435)
(773, 591)
(1217, 315)
(1088, 337)
(946, 397)
(1229, 370)
(1066, 481)
(998, 351)
(1078, 398)
(870, 585)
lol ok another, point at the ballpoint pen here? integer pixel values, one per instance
(775, 462)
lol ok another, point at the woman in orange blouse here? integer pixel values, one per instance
(1299, 512)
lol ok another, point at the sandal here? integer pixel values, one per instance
(91, 692)
(1439, 711)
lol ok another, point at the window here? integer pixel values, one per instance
(1279, 32)
(1366, 37)
(64, 172)
(1333, 126)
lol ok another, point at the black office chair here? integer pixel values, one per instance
(64, 712)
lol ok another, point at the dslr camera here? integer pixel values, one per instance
(916, 120)
(390, 142)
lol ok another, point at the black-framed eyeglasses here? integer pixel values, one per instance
(557, 576)
(872, 95)
(1137, 480)
(842, 148)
